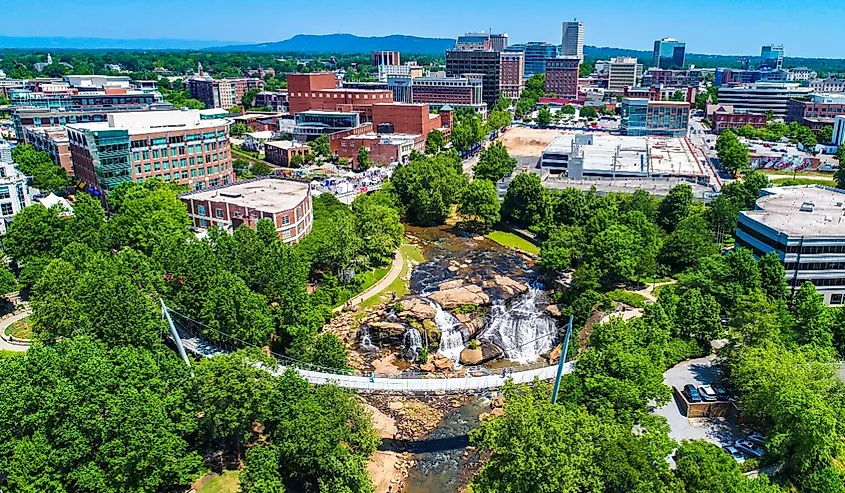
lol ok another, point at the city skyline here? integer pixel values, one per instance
(749, 32)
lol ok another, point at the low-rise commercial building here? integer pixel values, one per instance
(285, 202)
(190, 147)
(384, 149)
(311, 124)
(815, 110)
(275, 100)
(281, 152)
(604, 155)
(320, 92)
(724, 116)
(673, 78)
(830, 84)
(562, 76)
(803, 226)
(762, 96)
(642, 117)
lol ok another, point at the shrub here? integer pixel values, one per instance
(627, 297)
(678, 350)
(473, 344)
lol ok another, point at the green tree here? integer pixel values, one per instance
(826, 134)
(690, 242)
(773, 276)
(320, 146)
(588, 112)
(567, 109)
(494, 163)
(525, 200)
(678, 96)
(499, 119)
(480, 203)
(813, 321)
(231, 307)
(676, 206)
(723, 214)
(697, 316)
(35, 232)
(615, 252)
(261, 470)
(562, 248)
(732, 153)
(544, 116)
(248, 99)
(428, 187)
(703, 467)
(434, 142)
(363, 160)
(146, 215)
(238, 129)
(296, 161)
(380, 230)
(324, 437)
(50, 178)
(260, 168)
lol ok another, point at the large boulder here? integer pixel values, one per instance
(554, 311)
(417, 308)
(390, 329)
(454, 283)
(471, 324)
(508, 286)
(459, 296)
(554, 355)
(442, 363)
(471, 356)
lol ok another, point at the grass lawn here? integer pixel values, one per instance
(813, 174)
(370, 278)
(5, 353)
(224, 483)
(399, 286)
(20, 329)
(510, 240)
(804, 181)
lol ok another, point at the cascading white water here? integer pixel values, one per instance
(451, 338)
(523, 331)
(412, 343)
(366, 342)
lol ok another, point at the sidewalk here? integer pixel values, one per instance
(384, 282)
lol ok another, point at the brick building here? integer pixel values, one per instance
(816, 110)
(188, 147)
(320, 92)
(511, 74)
(285, 202)
(54, 141)
(222, 93)
(724, 116)
(385, 58)
(562, 76)
(281, 152)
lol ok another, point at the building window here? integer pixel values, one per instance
(218, 213)
(145, 154)
(147, 168)
(203, 223)
(6, 208)
(285, 220)
(286, 234)
(138, 170)
(836, 299)
(201, 210)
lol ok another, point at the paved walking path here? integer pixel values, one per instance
(4, 339)
(381, 285)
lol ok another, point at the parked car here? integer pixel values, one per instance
(749, 447)
(708, 394)
(756, 438)
(691, 393)
(721, 392)
(736, 454)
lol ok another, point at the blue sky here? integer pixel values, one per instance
(806, 28)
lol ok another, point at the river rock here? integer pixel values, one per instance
(463, 295)
(498, 401)
(553, 311)
(471, 325)
(393, 329)
(442, 363)
(427, 367)
(471, 356)
(454, 283)
(418, 309)
(508, 286)
(554, 355)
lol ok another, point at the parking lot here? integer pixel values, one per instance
(717, 430)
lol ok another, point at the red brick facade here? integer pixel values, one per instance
(281, 155)
(320, 92)
(722, 117)
(562, 77)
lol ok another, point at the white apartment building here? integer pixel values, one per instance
(800, 74)
(14, 191)
(830, 84)
(623, 72)
(572, 39)
(805, 226)
(762, 96)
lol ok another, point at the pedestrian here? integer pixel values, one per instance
(394, 437)
(504, 372)
(373, 377)
(510, 371)
(394, 296)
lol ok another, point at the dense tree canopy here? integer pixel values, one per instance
(495, 163)
(428, 186)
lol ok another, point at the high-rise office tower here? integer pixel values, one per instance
(572, 40)
(771, 56)
(669, 53)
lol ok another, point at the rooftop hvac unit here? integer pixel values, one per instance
(807, 207)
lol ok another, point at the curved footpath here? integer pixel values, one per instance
(381, 285)
(5, 344)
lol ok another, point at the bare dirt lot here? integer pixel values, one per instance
(522, 141)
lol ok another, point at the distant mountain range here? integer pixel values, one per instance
(31, 43)
(348, 43)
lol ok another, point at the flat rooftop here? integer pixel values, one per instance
(285, 144)
(265, 194)
(626, 154)
(141, 122)
(781, 210)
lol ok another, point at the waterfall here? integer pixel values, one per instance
(412, 343)
(366, 342)
(451, 338)
(523, 331)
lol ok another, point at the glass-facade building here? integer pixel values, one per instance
(536, 53)
(669, 53)
(771, 56)
(641, 117)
